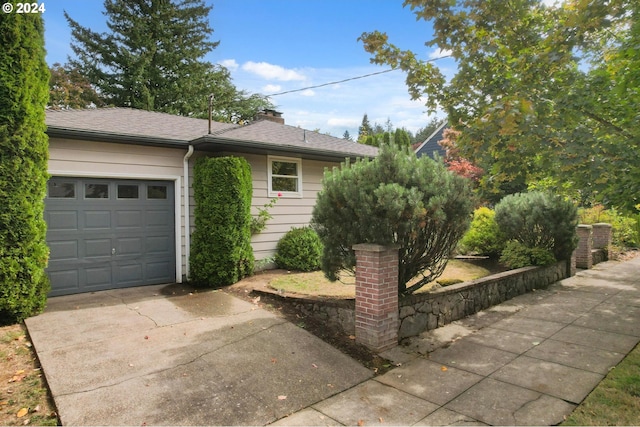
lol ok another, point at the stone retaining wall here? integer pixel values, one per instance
(429, 310)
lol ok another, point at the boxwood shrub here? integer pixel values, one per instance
(300, 250)
(221, 252)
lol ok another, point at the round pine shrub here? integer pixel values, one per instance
(539, 220)
(300, 250)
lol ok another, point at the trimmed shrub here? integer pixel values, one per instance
(517, 255)
(24, 90)
(393, 199)
(539, 220)
(484, 235)
(300, 250)
(221, 252)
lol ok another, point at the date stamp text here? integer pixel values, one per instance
(22, 8)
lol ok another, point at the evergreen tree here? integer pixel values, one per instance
(24, 77)
(152, 58)
(346, 135)
(365, 129)
(401, 137)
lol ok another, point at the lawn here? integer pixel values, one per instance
(315, 284)
(616, 400)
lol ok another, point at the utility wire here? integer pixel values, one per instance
(333, 83)
(349, 79)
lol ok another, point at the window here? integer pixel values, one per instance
(157, 192)
(126, 191)
(61, 190)
(285, 177)
(96, 191)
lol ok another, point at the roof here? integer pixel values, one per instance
(131, 126)
(431, 144)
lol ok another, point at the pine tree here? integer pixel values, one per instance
(152, 58)
(365, 129)
(346, 135)
(24, 78)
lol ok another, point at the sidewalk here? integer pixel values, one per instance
(528, 361)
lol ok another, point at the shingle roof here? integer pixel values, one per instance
(275, 135)
(430, 145)
(139, 126)
(132, 122)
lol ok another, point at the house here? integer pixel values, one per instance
(431, 145)
(119, 204)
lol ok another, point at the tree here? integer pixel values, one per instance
(152, 59)
(68, 88)
(455, 162)
(24, 77)
(539, 90)
(365, 129)
(394, 199)
(425, 132)
(346, 135)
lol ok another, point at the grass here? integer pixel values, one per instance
(315, 284)
(616, 400)
(24, 397)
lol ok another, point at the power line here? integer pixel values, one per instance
(350, 78)
(333, 83)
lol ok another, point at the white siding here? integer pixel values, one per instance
(120, 161)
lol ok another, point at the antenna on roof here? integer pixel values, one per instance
(210, 111)
(305, 135)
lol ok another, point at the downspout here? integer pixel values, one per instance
(187, 211)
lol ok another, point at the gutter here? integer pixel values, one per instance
(187, 210)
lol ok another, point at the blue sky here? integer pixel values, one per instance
(278, 45)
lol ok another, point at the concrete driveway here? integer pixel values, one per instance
(167, 355)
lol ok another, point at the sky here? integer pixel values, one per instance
(272, 46)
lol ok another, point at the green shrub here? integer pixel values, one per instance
(24, 89)
(517, 255)
(539, 220)
(484, 235)
(625, 228)
(396, 199)
(221, 252)
(300, 250)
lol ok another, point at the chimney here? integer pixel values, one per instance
(271, 115)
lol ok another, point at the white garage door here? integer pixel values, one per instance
(106, 234)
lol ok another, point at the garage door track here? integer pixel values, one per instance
(168, 355)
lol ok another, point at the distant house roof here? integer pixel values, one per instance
(126, 125)
(431, 144)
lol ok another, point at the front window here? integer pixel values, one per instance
(285, 177)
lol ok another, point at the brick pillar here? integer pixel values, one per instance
(583, 251)
(376, 296)
(602, 238)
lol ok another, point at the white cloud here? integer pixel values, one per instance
(308, 92)
(230, 64)
(272, 88)
(272, 72)
(440, 53)
(344, 122)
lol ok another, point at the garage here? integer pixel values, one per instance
(109, 233)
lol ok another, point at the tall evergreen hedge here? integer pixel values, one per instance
(24, 92)
(221, 252)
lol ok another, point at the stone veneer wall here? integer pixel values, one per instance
(429, 310)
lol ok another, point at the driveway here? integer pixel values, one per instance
(168, 355)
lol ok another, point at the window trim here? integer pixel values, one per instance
(287, 194)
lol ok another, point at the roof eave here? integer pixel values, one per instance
(100, 136)
(217, 144)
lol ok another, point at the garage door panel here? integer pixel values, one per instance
(97, 248)
(63, 250)
(97, 220)
(103, 237)
(129, 219)
(62, 220)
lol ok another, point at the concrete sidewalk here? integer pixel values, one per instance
(528, 361)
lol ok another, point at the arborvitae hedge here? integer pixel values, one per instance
(24, 91)
(221, 252)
